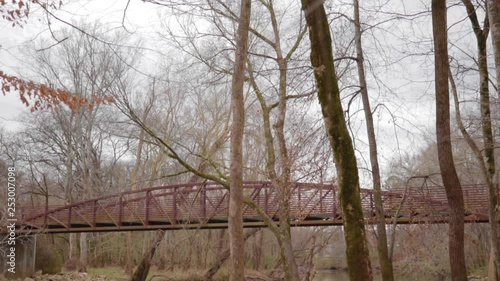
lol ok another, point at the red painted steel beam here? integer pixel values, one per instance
(184, 202)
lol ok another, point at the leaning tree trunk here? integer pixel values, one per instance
(358, 259)
(142, 270)
(447, 166)
(236, 242)
(222, 256)
(383, 252)
(129, 264)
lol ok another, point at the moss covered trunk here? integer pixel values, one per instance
(358, 260)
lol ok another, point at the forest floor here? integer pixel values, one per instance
(65, 276)
(117, 274)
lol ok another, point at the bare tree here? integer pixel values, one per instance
(494, 22)
(489, 170)
(494, 19)
(279, 162)
(77, 139)
(446, 163)
(236, 242)
(383, 253)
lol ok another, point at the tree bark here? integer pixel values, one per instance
(494, 195)
(72, 248)
(83, 252)
(134, 177)
(383, 253)
(142, 270)
(236, 243)
(257, 251)
(492, 269)
(358, 260)
(488, 139)
(282, 182)
(173, 252)
(129, 264)
(494, 19)
(278, 164)
(445, 155)
(224, 255)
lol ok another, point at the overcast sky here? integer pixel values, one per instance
(140, 19)
(412, 102)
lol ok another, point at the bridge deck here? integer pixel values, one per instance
(205, 205)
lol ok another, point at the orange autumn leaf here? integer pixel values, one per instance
(41, 96)
(17, 11)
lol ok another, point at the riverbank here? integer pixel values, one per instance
(117, 274)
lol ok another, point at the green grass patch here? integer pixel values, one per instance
(269, 261)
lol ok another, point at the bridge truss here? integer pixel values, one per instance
(205, 205)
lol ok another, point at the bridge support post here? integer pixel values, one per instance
(20, 262)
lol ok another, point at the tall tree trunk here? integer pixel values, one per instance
(221, 241)
(72, 247)
(189, 256)
(287, 255)
(494, 195)
(83, 252)
(446, 163)
(492, 268)
(134, 178)
(258, 246)
(236, 242)
(482, 166)
(283, 181)
(383, 253)
(209, 247)
(494, 19)
(358, 259)
(279, 161)
(488, 139)
(173, 252)
(129, 264)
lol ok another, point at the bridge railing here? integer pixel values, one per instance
(177, 204)
(208, 202)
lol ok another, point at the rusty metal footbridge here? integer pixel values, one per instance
(205, 205)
